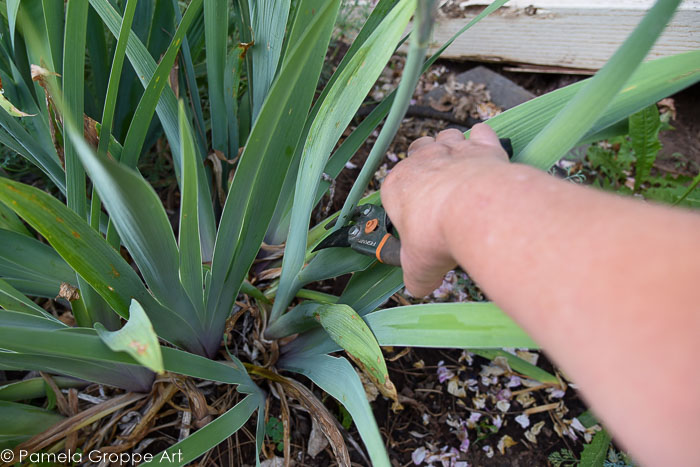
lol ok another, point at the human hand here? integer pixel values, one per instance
(423, 193)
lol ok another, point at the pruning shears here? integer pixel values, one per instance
(369, 235)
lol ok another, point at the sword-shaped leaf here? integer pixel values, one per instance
(34, 336)
(73, 100)
(28, 145)
(334, 114)
(11, 109)
(145, 68)
(368, 289)
(137, 338)
(19, 422)
(263, 165)
(129, 377)
(143, 226)
(268, 19)
(12, 10)
(348, 330)
(35, 388)
(440, 325)
(297, 320)
(335, 262)
(27, 259)
(652, 81)
(190, 250)
(207, 438)
(110, 103)
(10, 221)
(447, 325)
(338, 378)
(90, 256)
(79, 245)
(13, 299)
(216, 21)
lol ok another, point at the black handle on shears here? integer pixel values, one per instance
(389, 249)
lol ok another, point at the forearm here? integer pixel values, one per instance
(575, 267)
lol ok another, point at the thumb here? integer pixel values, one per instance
(481, 133)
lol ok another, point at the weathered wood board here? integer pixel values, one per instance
(579, 34)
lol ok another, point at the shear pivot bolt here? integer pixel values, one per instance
(355, 231)
(366, 211)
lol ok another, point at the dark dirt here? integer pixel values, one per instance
(681, 147)
(425, 420)
(425, 387)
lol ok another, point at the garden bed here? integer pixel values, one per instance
(431, 425)
(457, 406)
(495, 407)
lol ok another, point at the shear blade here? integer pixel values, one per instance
(339, 238)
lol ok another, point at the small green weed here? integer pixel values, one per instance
(617, 459)
(275, 431)
(485, 429)
(624, 164)
(598, 453)
(563, 458)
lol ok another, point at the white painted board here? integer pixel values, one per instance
(579, 34)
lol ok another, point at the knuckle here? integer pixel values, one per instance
(391, 183)
(450, 132)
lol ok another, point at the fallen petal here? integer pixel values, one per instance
(503, 405)
(514, 382)
(464, 447)
(443, 372)
(523, 420)
(576, 424)
(456, 387)
(504, 443)
(418, 455)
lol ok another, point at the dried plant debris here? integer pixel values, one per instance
(465, 100)
(456, 286)
(463, 8)
(430, 455)
(497, 409)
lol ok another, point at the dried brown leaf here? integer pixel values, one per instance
(68, 292)
(317, 440)
(326, 421)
